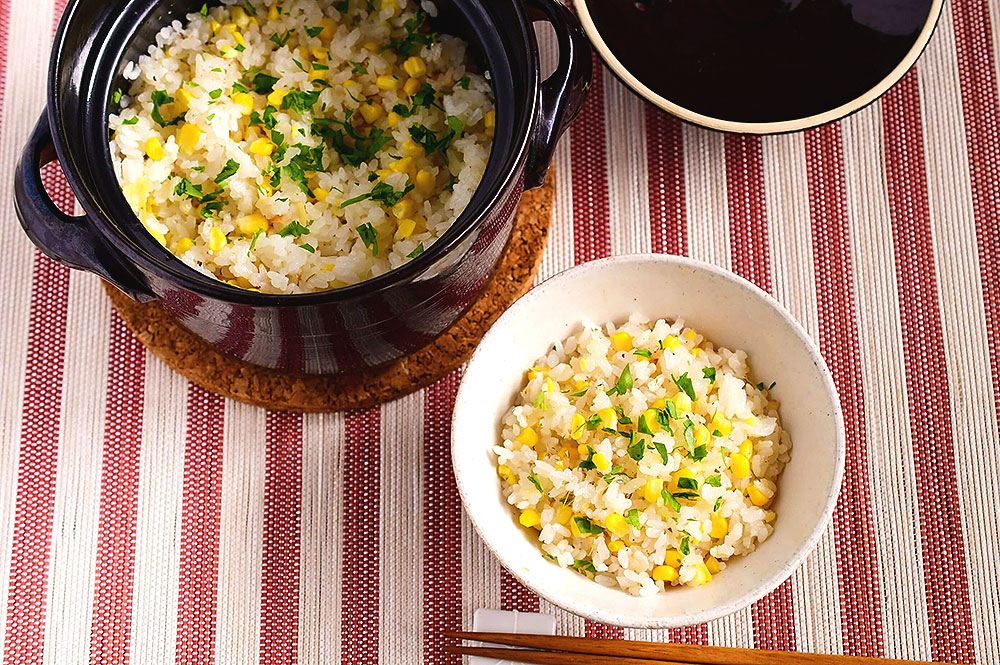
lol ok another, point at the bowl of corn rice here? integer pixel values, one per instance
(648, 441)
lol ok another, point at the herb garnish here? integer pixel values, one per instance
(161, 98)
(624, 383)
(369, 237)
(709, 373)
(683, 382)
(294, 229)
(416, 252)
(227, 171)
(585, 526)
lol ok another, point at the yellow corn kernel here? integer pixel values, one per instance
(245, 101)
(505, 473)
(262, 147)
(183, 245)
(316, 74)
(665, 574)
(490, 119)
(550, 386)
(154, 149)
(670, 343)
(412, 149)
(401, 165)
(563, 513)
(404, 208)
(251, 224)
(188, 136)
(528, 437)
(216, 239)
(583, 450)
(329, 26)
(616, 524)
(183, 97)
(581, 384)
(770, 516)
(215, 25)
(650, 419)
(240, 16)
(721, 424)
(756, 496)
(753, 421)
(584, 365)
(697, 351)
(575, 529)
(701, 435)
(622, 341)
(609, 419)
(682, 402)
(703, 576)
(391, 5)
(393, 118)
(350, 84)
(229, 52)
(370, 46)
(276, 96)
(659, 404)
(601, 462)
(691, 335)
(412, 86)
(320, 194)
(720, 527)
(319, 53)
(530, 518)
(739, 465)
(746, 448)
(673, 558)
(272, 13)
(237, 35)
(383, 174)
(405, 227)
(712, 564)
(415, 66)
(651, 490)
(160, 238)
(266, 189)
(371, 112)
(424, 181)
(615, 546)
(387, 82)
(577, 426)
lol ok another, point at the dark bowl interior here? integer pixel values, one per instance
(97, 39)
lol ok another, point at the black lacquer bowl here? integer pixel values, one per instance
(348, 329)
(759, 66)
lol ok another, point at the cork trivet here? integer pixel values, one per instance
(220, 373)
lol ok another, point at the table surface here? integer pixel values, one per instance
(143, 520)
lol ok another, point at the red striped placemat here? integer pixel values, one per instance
(143, 520)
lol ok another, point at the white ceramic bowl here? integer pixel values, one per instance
(730, 312)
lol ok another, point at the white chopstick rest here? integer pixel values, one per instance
(500, 621)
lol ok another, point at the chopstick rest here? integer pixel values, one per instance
(514, 622)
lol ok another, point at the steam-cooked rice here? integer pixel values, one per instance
(656, 484)
(251, 130)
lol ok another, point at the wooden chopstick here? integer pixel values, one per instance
(553, 657)
(560, 650)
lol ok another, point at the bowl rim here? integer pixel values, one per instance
(767, 584)
(776, 127)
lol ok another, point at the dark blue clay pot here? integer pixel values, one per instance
(346, 330)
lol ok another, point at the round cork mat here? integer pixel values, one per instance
(220, 373)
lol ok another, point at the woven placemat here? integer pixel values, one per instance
(220, 373)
